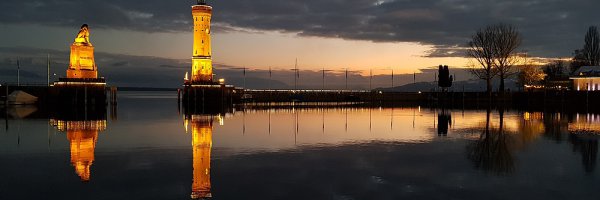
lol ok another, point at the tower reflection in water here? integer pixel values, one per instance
(82, 133)
(201, 128)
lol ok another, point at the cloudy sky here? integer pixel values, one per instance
(148, 43)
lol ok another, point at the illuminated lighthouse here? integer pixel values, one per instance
(202, 72)
(200, 87)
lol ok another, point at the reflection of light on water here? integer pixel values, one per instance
(201, 147)
(588, 123)
(221, 120)
(83, 136)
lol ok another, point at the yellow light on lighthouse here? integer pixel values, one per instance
(201, 56)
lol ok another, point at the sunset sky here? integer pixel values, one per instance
(148, 43)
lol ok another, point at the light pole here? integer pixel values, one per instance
(48, 71)
(370, 79)
(346, 79)
(296, 75)
(324, 77)
(392, 78)
(18, 73)
(244, 75)
(414, 78)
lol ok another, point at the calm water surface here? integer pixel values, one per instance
(147, 149)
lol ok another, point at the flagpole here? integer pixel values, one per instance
(48, 71)
(296, 75)
(18, 72)
(370, 79)
(346, 78)
(414, 77)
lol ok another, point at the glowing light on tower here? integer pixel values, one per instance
(201, 56)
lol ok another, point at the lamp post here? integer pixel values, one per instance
(370, 79)
(48, 72)
(324, 77)
(18, 73)
(296, 75)
(346, 79)
(392, 78)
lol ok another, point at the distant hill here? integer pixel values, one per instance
(473, 85)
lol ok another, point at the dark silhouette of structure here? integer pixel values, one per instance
(444, 78)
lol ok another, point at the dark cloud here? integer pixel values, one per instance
(551, 28)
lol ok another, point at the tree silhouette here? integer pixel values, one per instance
(444, 77)
(591, 49)
(507, 40)
(494, 48)
(481, 48)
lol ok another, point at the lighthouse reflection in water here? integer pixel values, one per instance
(82, 130)
(201, 127)
(82, 136)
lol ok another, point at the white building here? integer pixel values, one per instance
(586, 78)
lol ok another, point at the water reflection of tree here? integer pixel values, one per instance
(556, 126)
(491, 151)
(444, 121)
(588, 147)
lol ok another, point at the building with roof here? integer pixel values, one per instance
(586, 78)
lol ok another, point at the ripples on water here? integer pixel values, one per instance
(147, 149)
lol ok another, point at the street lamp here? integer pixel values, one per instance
(324, 77)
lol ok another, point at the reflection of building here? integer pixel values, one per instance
(83, 136)
(583, 136)
(586, 78)
(585, 123)
(201, 126)
(531, 127)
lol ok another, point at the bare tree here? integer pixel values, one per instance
(591, 49)
(506, 41)
(577, 61)
(556, 69)
(481, 48)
